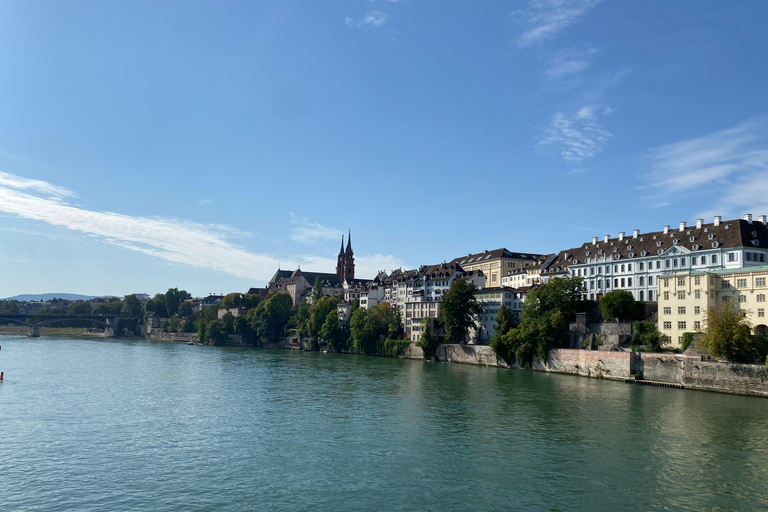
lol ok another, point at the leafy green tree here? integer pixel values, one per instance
(317, 289)
(242, 326)
(301, 317)
(251, 300)
(459, 308)
(728, 335)
(80, 308)
(319, 312)
(428, 342)
(228, 323)
(186, 309)
(332, 333)
(547, 311)
(646, 333)
(231, 300)
(367, 326)
(619, 305)
(173, 297)
(396, 328)
(157, 305)
(215, 334)
(505, 322)
(132, 305)
(10, 307)
(273, 319)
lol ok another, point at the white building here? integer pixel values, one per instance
(634, 263)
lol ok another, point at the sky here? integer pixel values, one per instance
(200, 145)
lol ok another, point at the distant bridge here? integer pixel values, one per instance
(35, 321)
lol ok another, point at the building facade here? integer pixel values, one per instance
(496, 264)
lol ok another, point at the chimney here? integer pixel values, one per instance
(635, 233)
(666, 229)
(763, 219)
(718, 218)
(699, 223)
(682, 226)
(748, 218)
(594, 240)
(606, 238)
(621, 236)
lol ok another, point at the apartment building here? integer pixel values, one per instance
(496, 264)
(685, 297)
(491, 299)
(635, 263)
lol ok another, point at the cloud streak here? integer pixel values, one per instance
(172, 240)
(731, 163)
(544, 18)
(310, 233)
(373, 18)
(578, 137)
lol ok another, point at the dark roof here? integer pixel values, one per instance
(280, 274)
(494, 254)
(729, 234)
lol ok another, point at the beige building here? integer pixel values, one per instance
(686, 296)
(496, 264)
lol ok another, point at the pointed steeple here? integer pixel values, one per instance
(341, 251)
(349, 243)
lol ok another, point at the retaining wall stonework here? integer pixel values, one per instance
(481, 355)
(659, 367)
(742, 379)
(413, 352)
(588, 363)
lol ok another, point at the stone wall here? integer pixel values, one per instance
(743, 379)
(481, 355)
(413, 352)
(587, 363)
(659, 367)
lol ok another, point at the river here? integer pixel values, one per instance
(95, 425)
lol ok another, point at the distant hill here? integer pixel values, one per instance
(48, 296)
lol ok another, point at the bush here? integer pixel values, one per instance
(687, 339)
(645, 333)
(428, 342)
(393, 348)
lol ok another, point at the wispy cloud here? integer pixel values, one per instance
(198, 245)
(543, 19)
(20, 158)
(732, 163)
(205, 202)
(578, 136)
(568, 62)
(310, 232)
(372, 18)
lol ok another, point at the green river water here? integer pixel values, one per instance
(106, 425)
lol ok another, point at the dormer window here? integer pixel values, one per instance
(715, 244)
(644, 253)
(631, 255)
(586, 252)
(654, 237)
(660, 251)
(711, 236)
(706, 230)
(615, 249)
(691, 239)
(695, 247)
(658, 244)
(629, 247)
(755, 242)
(599, 251)
(727, 226)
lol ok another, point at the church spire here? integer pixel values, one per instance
(341, 251)
(349, 243)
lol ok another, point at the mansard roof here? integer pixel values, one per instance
(727, 235)
(280, 274)
(494, 254)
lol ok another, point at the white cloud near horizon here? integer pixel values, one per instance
(578, 137)
(310, 233)
(543, 19)
(172, 240)
(733, 162)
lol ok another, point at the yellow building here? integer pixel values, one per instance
(497, 263)
(686, 296)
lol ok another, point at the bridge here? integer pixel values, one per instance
(35, 321)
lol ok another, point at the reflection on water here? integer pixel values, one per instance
(111, 424)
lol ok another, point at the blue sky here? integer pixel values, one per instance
(145, 145)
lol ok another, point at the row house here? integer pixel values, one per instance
(686, 296)
(417, 293)
(491, 300)
(496, 264)
(635, 263)
(527, 276)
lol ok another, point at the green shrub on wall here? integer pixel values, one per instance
(687, 339)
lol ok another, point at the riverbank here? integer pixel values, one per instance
(678, 370)
(49, 331)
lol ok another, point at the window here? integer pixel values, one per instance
(761, 312)
(622, 268)
(658, 264)
(592, 271)
(641, 281)
(667, 311)
(731, 256)
(680, 326)
(760, 281)
(697, 310)
(666, 295)
(599, 270)
(741, 283)
(697, 325)
(681, 294)
(697, 294)
(599, 284)
(615, 268)
(591, 285)
(760, 297)
(642, 266)
(641, 295)
(675, 262)
(714, 258)
(742, 298)
(666, 283)
(650, 295)
(667, 325)
(650, 280)
(681, 310)
(622, 282)
(693, 260)
(667, 264)
(615, 283)
(629, 281)
(726, 284)
(680, 281)
(682, 262)
(697, 280)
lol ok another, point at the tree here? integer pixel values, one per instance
(547, 311)
(214, 333)
(428, 342)
(242, 326)
(332, 333)
(157, 305)
(317, 289)
(619, 304)
(80, 308)
(301, 317)
(173, 297)
(728, 335)
(186, 309)
(230, 300)
(228, 323)
(251, 300)
(274, 317)
(459, 307)
(505, 322)
(396, 329)
(132, 305)
(646, 333)
(318, 314)
(361, 333)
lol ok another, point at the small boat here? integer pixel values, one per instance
(190, 343)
